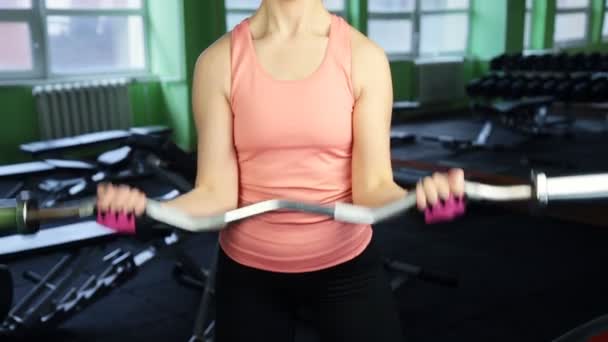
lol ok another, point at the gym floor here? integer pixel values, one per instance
(522, 277)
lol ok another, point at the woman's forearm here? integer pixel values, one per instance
(203, 201)
(380, 195)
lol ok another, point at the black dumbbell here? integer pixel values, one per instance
(518, 87)
(497, 63)
(602, 63)
(503, 86)
(575, 62)
(513, 62)
(549, 86)
(534, 86)
(598, 91)
(543, 62)
(592, 62)
(529, 63)
(488, 86)
(563, 88)
(581, 89)
(473, 87)
(559, 62)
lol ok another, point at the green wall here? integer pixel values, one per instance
(20, 122)
(180, 30)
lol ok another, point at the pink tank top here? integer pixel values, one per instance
(293, 140)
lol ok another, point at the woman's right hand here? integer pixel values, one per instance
(120, 198)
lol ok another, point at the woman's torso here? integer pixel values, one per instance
(293, 140)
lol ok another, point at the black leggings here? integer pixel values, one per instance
(350, 302)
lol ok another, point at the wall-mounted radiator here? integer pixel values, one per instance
(440, 81)
(69, 109)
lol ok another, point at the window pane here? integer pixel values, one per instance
(233, 19)
(572, 3)
(245, 4)
(15, 50)
(570, 26)
(334, 5)
(391, 5)
(527, 29)
(440, 33)
(395, 36)
(605, 28)
(86, 44)
(15, 4)
(93, 4)
(529, 4)
(444, 4)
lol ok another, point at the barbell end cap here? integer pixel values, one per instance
(26, 203)
(541, 191)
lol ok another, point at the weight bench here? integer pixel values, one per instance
(528, 115)
(57, 146)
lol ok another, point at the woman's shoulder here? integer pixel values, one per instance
(217, 51)
(364, 47)
(213, 64)
(368, 60)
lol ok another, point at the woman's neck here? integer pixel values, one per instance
(289, 17)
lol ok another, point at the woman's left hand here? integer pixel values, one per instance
(440, 186)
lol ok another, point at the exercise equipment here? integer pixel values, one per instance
(6, 290)
(57, 296)
(541, 190)
(55, 146)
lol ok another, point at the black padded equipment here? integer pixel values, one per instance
(6, 291)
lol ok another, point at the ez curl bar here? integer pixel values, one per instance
(542, 190)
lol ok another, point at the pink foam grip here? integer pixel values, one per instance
(452, 208)
(121, 223)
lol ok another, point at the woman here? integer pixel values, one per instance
(295, 104)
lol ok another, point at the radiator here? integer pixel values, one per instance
(440, 81)
(69, 109)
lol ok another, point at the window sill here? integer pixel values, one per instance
(572, 44)
(139, 78)
(428, 60)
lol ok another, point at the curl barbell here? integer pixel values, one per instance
(541, 190)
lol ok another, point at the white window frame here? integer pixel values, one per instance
(415, 16)
(37, 19)
(604, 21)
(401, 15)
(249, 11)
(574, 42)
(529, 11)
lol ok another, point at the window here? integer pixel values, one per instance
(571, 22)
(47, 38)
(528, 25)
(605, 24)
(419, 28)
(238, 10)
